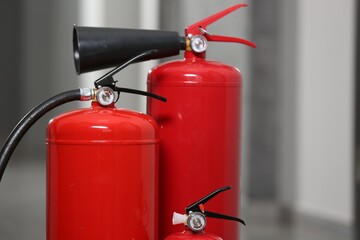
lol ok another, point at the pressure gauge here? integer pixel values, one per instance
(105, 96)
(198, 43)
(196, 221)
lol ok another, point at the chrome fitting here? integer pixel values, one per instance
(87, 94)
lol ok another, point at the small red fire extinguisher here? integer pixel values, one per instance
(200, 127)
(195, 220)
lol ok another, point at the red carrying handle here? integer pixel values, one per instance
(199, 28)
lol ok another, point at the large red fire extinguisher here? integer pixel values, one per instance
(195, 219)
(199, 127)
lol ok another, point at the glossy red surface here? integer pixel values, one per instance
(199, 130)
(187, 235)
(102, 175)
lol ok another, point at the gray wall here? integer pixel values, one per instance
(325, 126)
(264, 113)
(9, 65)
(46, 59)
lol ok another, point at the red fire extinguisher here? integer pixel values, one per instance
(199, 127)
(195, 219)
(102, 168)
(102, 174)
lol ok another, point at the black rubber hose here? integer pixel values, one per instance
(29, 119)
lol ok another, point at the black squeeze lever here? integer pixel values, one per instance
(107, 80)
(198, 206)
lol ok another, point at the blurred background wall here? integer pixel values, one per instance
(298, 118)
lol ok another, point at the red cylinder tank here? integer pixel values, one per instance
(102, 175)
(199, 130)
(188, 235)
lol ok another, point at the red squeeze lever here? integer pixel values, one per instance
(199, 28)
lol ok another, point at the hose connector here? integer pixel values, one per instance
(87, 94)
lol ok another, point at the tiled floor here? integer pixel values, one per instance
(22, 211)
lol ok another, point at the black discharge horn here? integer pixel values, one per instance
(98, 48)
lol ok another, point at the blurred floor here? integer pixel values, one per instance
(263, 222)
(22, 198)
(22, 210)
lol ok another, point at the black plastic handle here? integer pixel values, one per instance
(195, 207)
(223, 216)
(107, 80)
(198, 206)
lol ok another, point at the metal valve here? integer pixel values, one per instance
(195, 217)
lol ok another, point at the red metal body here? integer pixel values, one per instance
(102, 175)
(188, 235)
(199, 130)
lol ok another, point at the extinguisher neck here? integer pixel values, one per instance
(96, 104)
(194, 56)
